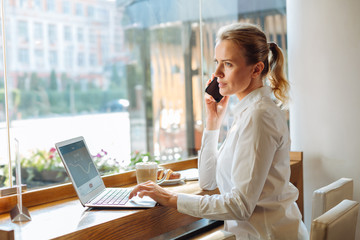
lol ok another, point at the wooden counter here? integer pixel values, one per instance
(68, 219)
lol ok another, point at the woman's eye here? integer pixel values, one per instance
(227, 64)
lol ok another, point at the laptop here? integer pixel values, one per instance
(88, 183)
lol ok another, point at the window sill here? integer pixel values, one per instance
(64, 191)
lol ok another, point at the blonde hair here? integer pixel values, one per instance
(256, 49)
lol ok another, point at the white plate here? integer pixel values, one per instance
(173, 181)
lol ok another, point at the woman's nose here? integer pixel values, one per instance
(218, 73)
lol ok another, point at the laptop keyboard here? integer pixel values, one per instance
(118, 196)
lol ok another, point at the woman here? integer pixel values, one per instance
(252, 167)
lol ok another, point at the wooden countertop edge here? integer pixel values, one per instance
(140, 225)
(143, 224)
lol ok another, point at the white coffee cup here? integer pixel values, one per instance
(146, 171)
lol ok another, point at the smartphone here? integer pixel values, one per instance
(213, 90)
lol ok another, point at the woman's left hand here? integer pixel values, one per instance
(159, 194)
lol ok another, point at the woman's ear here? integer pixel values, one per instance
(258, 68)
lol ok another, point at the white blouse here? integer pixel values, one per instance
(252, 172)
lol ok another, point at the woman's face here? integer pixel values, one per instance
(234, 75)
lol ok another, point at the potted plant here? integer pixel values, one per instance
(137, 156)
(44, 166)
(105, 164)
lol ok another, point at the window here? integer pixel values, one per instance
(146, 53)
(102, 14)
(23, 3)
(66, 7)
(23, 56)
(23, 31)
(92, 37)
(38, 31)
(39, 58)
(37, 4)
(52, 34)
(90, 12)
(79, 9)
(81, 59)
(69, 57)
(50, 4)
(53, 59)
(80, 34)
(67, 33)
(92, 59)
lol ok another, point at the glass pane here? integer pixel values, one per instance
(125, 76)
(162, 43)
(65, 80)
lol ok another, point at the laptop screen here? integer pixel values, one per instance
(79, 162)
(81, 167)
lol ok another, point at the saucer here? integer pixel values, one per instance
(173, 181)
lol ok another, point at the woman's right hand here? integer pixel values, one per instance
(215, 110)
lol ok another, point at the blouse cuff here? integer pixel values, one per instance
(188, 204)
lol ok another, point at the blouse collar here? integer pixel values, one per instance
(252, 97)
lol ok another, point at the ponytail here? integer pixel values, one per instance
(277, 80)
